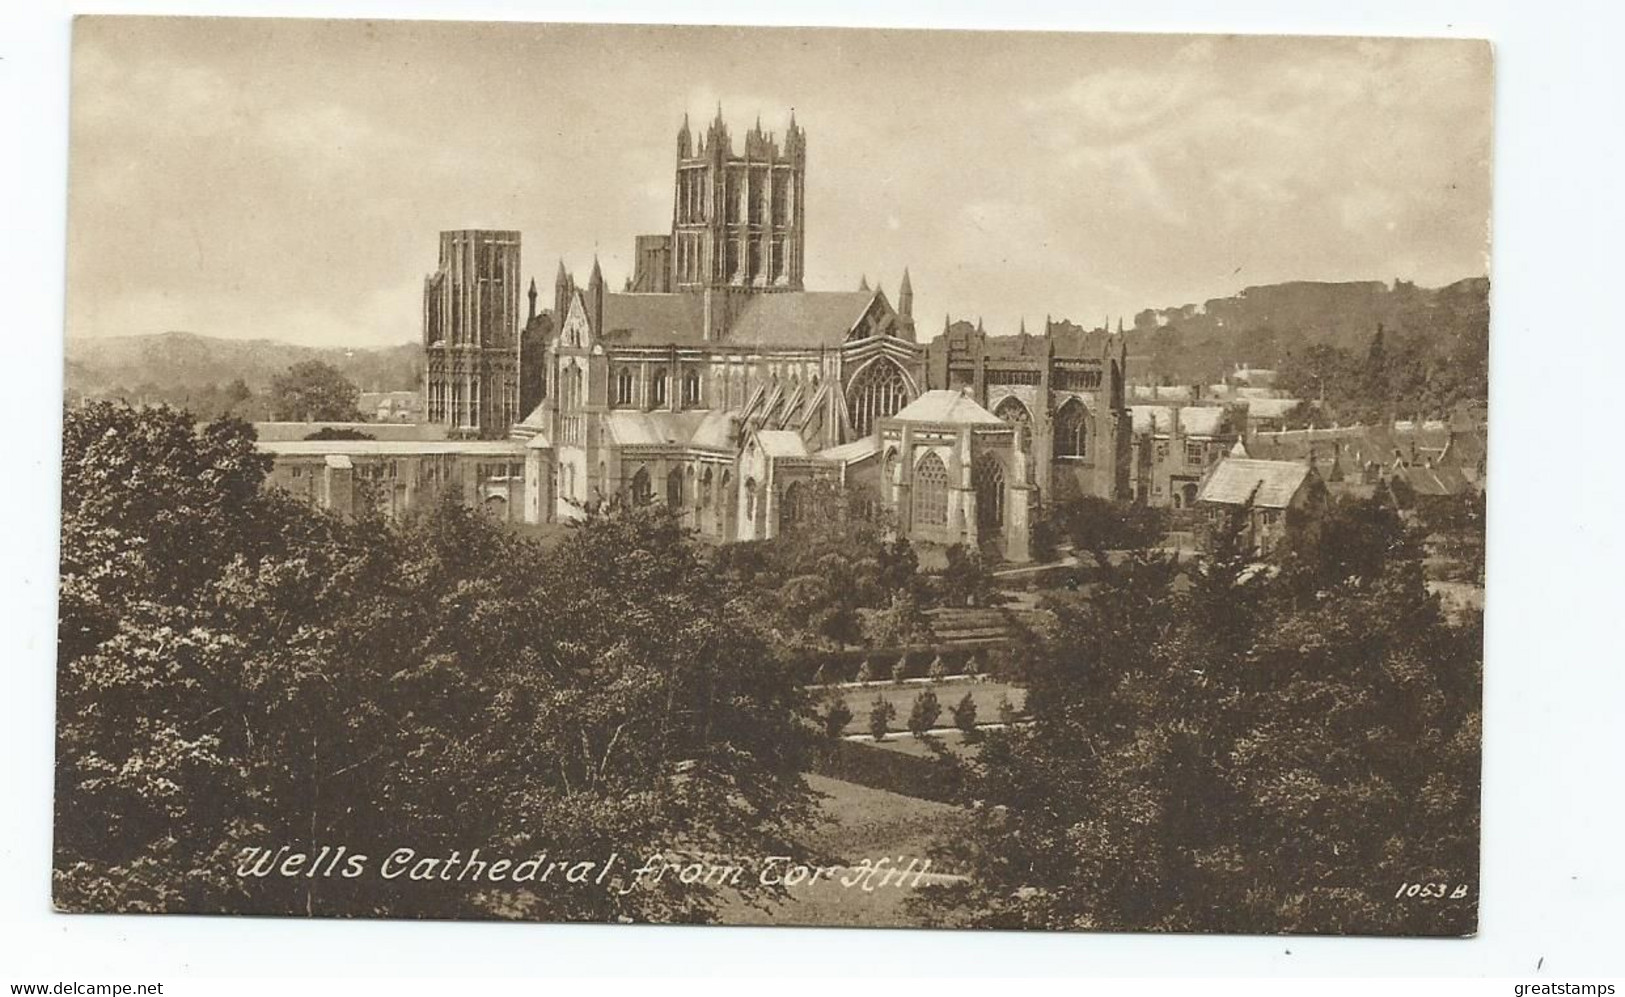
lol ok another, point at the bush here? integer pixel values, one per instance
(899, 671)
(821, 676)
(1007, 709)
(964, 713)
(866, 672)
(881, 714)
(922, 716)
(973, 667)
(837, 717)
(938, 670)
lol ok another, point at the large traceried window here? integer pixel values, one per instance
(880, 390)
(988, 476)
(1072, 430)
(1011, 410)
(931, 491)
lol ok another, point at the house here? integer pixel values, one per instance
(1270, 494)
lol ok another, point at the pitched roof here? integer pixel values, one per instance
(1435, 481)
(799, 318)
(1269, 408)
(654, 319)
(861, 448)
(1201, 420)
(789, 318)
(943, 405)
(1267, 484)
(697, 427)
(1151, 418)
(781, 443)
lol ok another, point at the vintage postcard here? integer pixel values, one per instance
(774, 476)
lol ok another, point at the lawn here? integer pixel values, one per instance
(985, 695)
(908, 744)
(857, 823)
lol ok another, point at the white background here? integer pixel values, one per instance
(1553, 885)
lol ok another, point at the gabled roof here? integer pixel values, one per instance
(1269, 408)
(641, 429)
(781, 443)
(1201, 420)
(786, 318)
(1435, 481)
(799, 318)
(654, 319)
(1266, 484)
(1151, 418)
(943, 405)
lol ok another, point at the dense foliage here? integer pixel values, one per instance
(239, 671)
(1396, 376)
(1243, 748)
(313, 391)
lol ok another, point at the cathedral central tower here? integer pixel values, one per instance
(738, 216)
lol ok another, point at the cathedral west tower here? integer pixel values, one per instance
(471, 334)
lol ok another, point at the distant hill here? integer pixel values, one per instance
(174, 362)
(1263, 325)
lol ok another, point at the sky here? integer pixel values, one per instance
(286, 179)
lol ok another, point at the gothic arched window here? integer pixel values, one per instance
(931, 491)
(623, 386)
(791, 512)
(705, 487)
(750, 500)
(691, 387)
(988, 476)
(572, 388)
(880, 390)
(674, 490)
(660, 387)
(1072, 430)
(641, 492)
(1011, 410)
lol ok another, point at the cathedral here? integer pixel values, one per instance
(715, 383)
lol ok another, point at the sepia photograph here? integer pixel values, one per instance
(660, 474)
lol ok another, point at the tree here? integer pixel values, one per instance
(339, 433)
(1007, 709)
(881, 714)
(964, 714)
(238, 669)
(836, 717)
(1251, 751)
(313, 391)
(899, 669)
(923, 714)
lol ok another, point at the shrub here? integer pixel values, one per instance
(965, 717)
(899, 671)
(1007, 709)
(837, 717)
(821, 676)
(922, 716)
(973, 667)
(938, 670)
(881, 714)
(866, 672)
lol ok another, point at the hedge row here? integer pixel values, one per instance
(893, 771)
